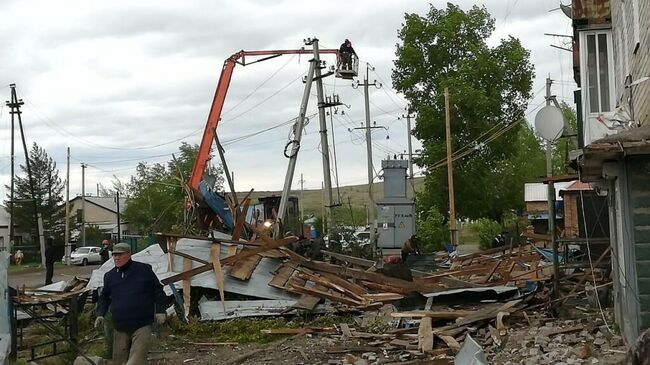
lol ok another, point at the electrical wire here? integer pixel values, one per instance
(263, 100)
(258, 86)
(591, 264)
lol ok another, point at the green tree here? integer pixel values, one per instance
(564, 145)
(156, 196)
(489, 88)
(432, 230)
(48, 189)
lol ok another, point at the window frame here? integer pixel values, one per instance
(611, 66)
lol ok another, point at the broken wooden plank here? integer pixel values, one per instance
(215, 253)
(356, 289)
(433, 314)
(281, 277)
(489, 276)
(360, 274)
(188, 256)
(449, 341)
(425, 335)
(243, 269)
(325, 295)
(309, 302)
(382, 297)
(187, 265)
(269, 244)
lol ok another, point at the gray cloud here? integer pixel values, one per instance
(128, 75)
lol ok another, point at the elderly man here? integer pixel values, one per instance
(134, 295)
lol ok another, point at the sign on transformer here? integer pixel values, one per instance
(396, 213)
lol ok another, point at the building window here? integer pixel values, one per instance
(598, 72)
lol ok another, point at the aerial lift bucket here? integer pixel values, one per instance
(347, 68)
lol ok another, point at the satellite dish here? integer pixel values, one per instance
(549, 123)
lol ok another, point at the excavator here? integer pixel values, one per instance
(210, 209)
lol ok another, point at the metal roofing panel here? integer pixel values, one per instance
(256, 286)
(538, 192)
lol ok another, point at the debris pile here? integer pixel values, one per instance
(476, 301)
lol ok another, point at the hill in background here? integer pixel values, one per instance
(312, 200)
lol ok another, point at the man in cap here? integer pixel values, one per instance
(135, 297)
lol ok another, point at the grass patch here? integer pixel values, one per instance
(247, 330)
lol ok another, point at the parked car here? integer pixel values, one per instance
(85, 255)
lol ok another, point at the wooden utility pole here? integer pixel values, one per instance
(450, 175)
(67, 211)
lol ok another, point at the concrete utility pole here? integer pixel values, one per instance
(67, 211)
(294, 144)
(368, 128)
(13, 159)
(408, 117)
(327, 179)
(450, 174)
(300, 204)
(83, 204)
(551, 199)
(15, 105)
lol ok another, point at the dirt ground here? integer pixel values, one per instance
(586, 341)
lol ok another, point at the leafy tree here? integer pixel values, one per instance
(156, 196)
(48, 189)
(487, 229)
(489, 88)
(432, 230)
(564, 145)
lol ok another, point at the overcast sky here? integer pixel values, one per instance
(123, 81)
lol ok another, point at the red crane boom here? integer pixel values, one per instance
(214, 116)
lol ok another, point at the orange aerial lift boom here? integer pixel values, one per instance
(214, 116)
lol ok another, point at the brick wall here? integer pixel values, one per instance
(632, 58)
(570, 215)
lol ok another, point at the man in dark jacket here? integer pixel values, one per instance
(346, 52)
(134, 295)
(50, 259)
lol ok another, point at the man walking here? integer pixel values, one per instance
(134, 295)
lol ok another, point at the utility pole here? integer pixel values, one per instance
(551, 199)
(368, 128)
(300, 204)
(119, 220)
(408, 117)
(450, 174)
(324, 143)
(15, 110)
(83, 204)
(294, 143)
(67, 210)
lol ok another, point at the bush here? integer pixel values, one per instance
(432, 230)
(486, 229)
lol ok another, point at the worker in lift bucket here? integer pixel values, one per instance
(346, 52)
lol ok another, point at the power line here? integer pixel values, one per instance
(259, 86)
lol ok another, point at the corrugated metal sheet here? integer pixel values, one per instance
(537, 192)
(213, 310)
(257, 286)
